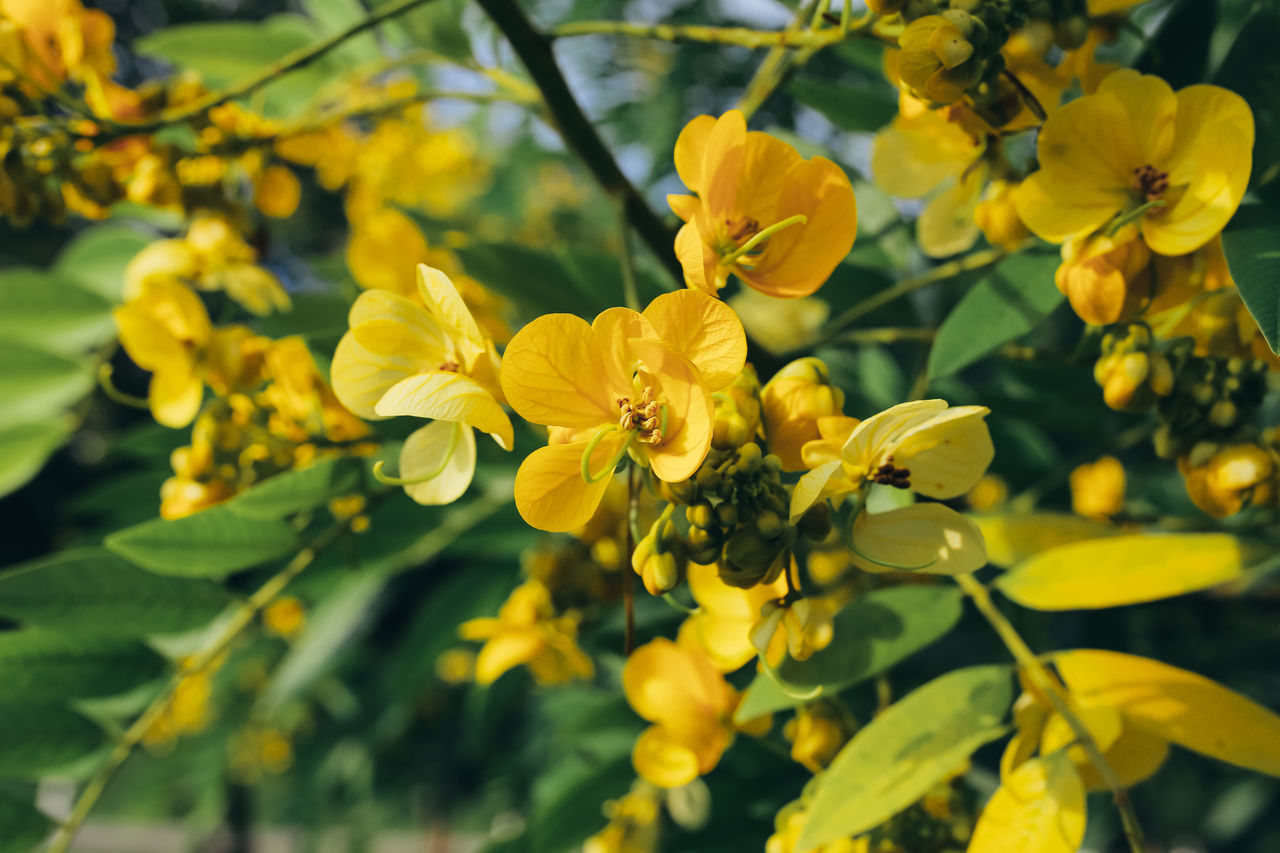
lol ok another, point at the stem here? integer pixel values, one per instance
(534, 50)
(241, 619)
(1048, 685)
(386, 479)
(291, 62)
(975, 261)
(589, 477)
(734, 256)
(696, 34)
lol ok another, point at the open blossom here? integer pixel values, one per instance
(627, 383)
(1135, 143)
(401, 358)
(933, 449)
(528, 632)
(760, 211)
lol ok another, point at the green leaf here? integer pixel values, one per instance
(332, 16)
(35, 739)
(863, 109)
(24, 825)
(535, 281)
(897, 757)
(25, 447)
(1252, 70)
(51, 312)
(226, 52)
(871, 634)
(93, 592)
(1252, 246)
(212, 543)
(1179, 50)
(36, 383)
(299, 490)
(95, 258)
(40, 665)
(1002, 306)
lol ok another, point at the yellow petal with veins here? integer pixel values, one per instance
(549, 490)
(1039, 808)
(927, 537)
(553, 374)
(447, 396)
(425, 451)
(705, 330)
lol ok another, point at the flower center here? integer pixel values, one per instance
(1150, 182)
(643, 416)
(449, 367)
(888, 475)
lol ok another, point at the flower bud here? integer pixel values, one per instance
(816, 733)
(937, 61)
(793, 401)
(1232, 476)
(1106, 279)
(998, 218)
(1097, 488)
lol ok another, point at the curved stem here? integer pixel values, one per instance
(454, 436)
(1049, 686)
(113, 393)
(591, 449)
(765, 234)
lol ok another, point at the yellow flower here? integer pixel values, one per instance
(676, 687)
(277, 192)
(528, 632)
(997, 216)
(400, 358)
(721, 627)
(1179, 162)
(63, 39)
(926, 446)
(789, 826)
(817, 732)
(793, 401)
(299, 394)
(1230, 478)
(937, 61)
(285, 617)
(626, 383)
(777, 221)
(634, 820)
(1097, 488)
(165, 329)
(1106, 278)
(988, 494)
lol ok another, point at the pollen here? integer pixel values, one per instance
(644, 417)
(888, 475)
(1150, 182)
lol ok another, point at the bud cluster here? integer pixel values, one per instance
(1131, 372)
(1212, 401)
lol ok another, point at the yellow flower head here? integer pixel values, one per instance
(1106, 278)
(165, 330)
(793, 401)
(528, 632)
(1230, 478)
(676, 687)
(62, 38)
(1097, 488)
(935, 450)
(1179, 162)
(625, 383)
(401, 358)
(721, 626)
(779, 222)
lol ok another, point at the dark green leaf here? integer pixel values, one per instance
(897, 757)
(861, 109)
(1252, 70)
(36, 383)
(24, 447)
(299, 490)
(871, 635)
(1002, 306)
(536, 281)
(40, 665)
(92, 591)
(1179, 50)
(212, 543)
(24, 825)
(1252, 246)
(36, 738)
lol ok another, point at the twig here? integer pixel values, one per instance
(1048, 685)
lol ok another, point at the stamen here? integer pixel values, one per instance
(761, 236)
(1150, 182)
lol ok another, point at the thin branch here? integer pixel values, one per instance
(698, 34)
(534, 50)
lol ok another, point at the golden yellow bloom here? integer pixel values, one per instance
(997, 216)
(1106, 278)
(285, 617)
(926, 446)
(817, 732)
(721, 626)
(793, 401)
(1097, 488)
(626, 383)
(777, 221)
(799, 628)
(1179, 162)
(1230, 478)
(676, 687)
(165, 329)
(400, 358)
(528, 632)
(634, 820)
(62, 38)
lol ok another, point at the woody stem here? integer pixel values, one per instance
(1048, 685)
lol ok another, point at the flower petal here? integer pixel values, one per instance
(690, 410)
(424, 451)
(663, 760)
(549, 490)
(1152, 108)
(704, 330)
(174, 396)
(1054, 209)
(871, 438)
(447, 396)
(926, 537)
(947, 225)
(691, 145)
(696, 259)
(947, 454)
(506, 651)
(360, 377)
(1091, 141)
(1038, 808)
(147, 342)
(614, 328)
(445, 304)
(813, 487)
(722, 164)
(1222, 167)
(553, 374)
